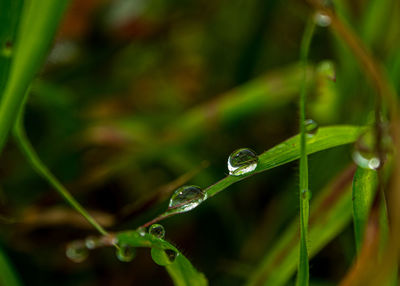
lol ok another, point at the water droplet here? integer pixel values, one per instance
(163, 257)
(171, 254)
(157, 230)
(364, 154)
(91, 242)
(125, 253)
(327, 69)
(77, 251)
(242, 161)
(141, 231)
(322, 19)
(366, 160)
(311, 127)
(186, 198)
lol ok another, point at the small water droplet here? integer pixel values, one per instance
(125, 253)
(163, 257)
(242, 161)
(366, 160)
(186, 198)
(322, 19)
(141, 231)
(311, 127)
(364, 154)
(157, 230)
(171, 254)
(77, 251)
(327, 69)
(91, 242)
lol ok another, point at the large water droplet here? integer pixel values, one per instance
(157, 230)
(125, 253)
(77, 251)
(186, 198)
(242, 161)
(311, 127)
(163, 257)
(322, 19)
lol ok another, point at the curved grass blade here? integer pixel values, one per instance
(287, 151)
(330, 213)
(36, 30)
(27, 149)
(181, 270)
(8, 277)
(371, 232)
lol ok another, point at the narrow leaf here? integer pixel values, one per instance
(364, 187)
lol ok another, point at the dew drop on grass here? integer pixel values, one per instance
(311, 127)
(163, 257)
(76, 251)
(141, 231)
(186, 198)
(366, 160)
(92, 242)
(125, 253)
(322, 19)
(157, 230)
(242, 161)
(364, 154)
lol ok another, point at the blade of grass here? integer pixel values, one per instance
(9, 18)
(181, 270)
(364, 187)
(287, 151)
(8, 277)
(371, 231)
(330, 213)
(303, 268)
(33, 158)
(38, 24)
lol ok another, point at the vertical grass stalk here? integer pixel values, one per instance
(303, 267)
(33, 158)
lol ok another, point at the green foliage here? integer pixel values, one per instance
(181, 270)
(39, 21)
(364, 188)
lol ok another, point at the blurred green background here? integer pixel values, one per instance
(138, 97)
